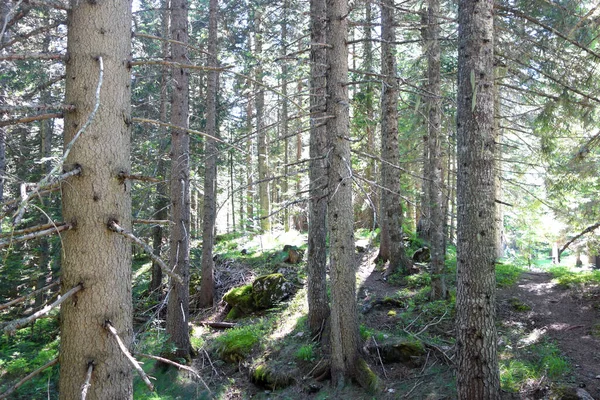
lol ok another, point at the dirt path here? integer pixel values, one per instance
(568, 317)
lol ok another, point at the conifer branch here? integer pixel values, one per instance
(28, 377)
(32, 56)
(589, 229)
(55, 229)
(49, 3)
(36, 107)
(20, 299)
(136, 365)
(12, 326)
(25, 36)
(152, 221)
(174, 64)
(113, 226)
(143, 35)
(124, 175)
(32, 118)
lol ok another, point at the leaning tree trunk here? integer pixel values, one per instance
(436, 180)
(318, 307)
(346, 362)
(177, 325)
(100, 260)
(207, 286)
(477, 373)
(391, 246)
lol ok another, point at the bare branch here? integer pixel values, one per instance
(32, 56)
(55, 229)
(24, 36)
(589, 229)
(179, 366)
(143, 35)
(28, 377)
(152, 221)
(20, 299)
(49, 3)
(32, 118)
(12, 326)
(124, 175)
(174, 64)
(88, 377)
(36, 107)
(113, 226)
(108, 326)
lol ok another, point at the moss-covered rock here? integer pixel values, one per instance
(270, 378)
(241, 298)
(268, 290)
(405, 351)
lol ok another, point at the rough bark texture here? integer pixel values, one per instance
(499, 218)
(161, 203)
(178, 304)
(93, 255)
(436, 180)
(207, 286)
(477, 373)
(391, 244)
(318, 305)
(423, 217)
(344, 318)
(263, 184)
(284, 120)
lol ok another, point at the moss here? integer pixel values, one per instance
(366, 378)
(240, 297)
(518, 305)
(268, 290)
(391, 313)
(264, 376)
(236, 344)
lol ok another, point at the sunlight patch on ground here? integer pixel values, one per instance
(298, 307)
(533, 337)
(538, 288)
(276, 240)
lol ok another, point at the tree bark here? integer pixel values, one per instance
(318, 305)
(161, 203)
(211, 155)
(436, 180)
(284, 116)
(345, 357)
(391, 246)
(92, 255)
(477, 373)
(178, 305)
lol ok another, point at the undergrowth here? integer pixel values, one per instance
(567, 278)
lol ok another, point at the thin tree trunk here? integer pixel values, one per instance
(436, 179)
(92, 255)
(391, 244)
(284, 116)
(178, 305)
(318, 305)
(207, 286)
(263, 172)
(477, 373)
(423, 217)
(161, 203)
(499, 136)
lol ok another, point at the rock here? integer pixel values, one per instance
(403, 351)
(294, 254)
(422, 255)
(265, 377)
(241, 298)
(268, 290)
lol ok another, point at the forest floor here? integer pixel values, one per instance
(538, 309)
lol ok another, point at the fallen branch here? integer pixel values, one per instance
(589, 229)
(86, 384)
(12, 326)
(218, 325)
(379, 355)
(32, 118)
(179, 366)
(113, 226)
(20, 299)
(59, 228)
(129, 357)
(28, 377)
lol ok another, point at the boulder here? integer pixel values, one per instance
(405, 351)
(268, 290)
(422, 255)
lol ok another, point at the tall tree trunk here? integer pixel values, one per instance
(250, 217)
(477, 374)
(499, 218)
(207, 286)
(391, 244)
(177, 325)
(346, 361)
(161, 203)
(318, 306)
(284, 116)
(436, 180)
(263, 172)
(92, 255)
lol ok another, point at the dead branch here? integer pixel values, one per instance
(174, 64)
(32, 56)
(20, 299)
(43, 86)
(48, 3)
(152, 221)
(143, 35)
(12, 326)
(36, 107)
(31, 229)
(589, 229)
(32, 118)
(88, 377)
(218, 325)
(167, 125)
(34, 32)
(179, 366)
(113, 226)
(55, 229)
(124, 175)
(28, 377)
(108, 326)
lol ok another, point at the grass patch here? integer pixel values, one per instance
(306, 353)
(507, 274)
(236, 344)
(567, 278)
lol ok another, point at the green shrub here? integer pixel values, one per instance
(306, 353)
(507, 274)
